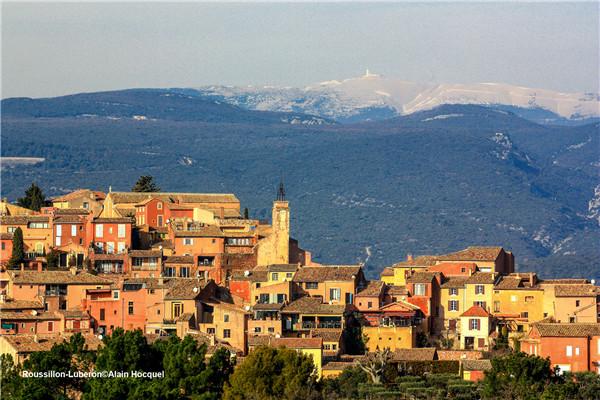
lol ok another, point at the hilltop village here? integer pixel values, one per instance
(196, 264)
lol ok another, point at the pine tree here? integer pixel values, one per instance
(34, 198)
(18, 252)
(145, 184)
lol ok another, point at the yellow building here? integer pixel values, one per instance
(453, 299)
(479, 290)
(518, 301)
(475, 329)
(570, 300)
(227, 322)
(335, 284)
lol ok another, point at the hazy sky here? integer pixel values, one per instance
(51, 49)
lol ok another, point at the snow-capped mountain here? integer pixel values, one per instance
(373, 96)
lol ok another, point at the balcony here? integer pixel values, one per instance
(320, 325)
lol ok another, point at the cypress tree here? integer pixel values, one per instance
(18, 252)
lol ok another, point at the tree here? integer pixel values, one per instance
(374, 364)
(145, 184)
(346, 385)
(269, 374)
(18, 252)
(246, 213)
(52, 259)
(574, 386)
(517, 376)
(34, 198)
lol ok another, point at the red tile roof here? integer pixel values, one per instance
(475, 311)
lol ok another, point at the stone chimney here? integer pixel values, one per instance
(531, 279)
(73, 270)
(222, 212)
(36, 339)
(409, 257)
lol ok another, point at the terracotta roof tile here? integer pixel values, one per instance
(21, 305)
(205, 231)
(455, 282)
(184, 289)
(297, 343)
(576, 291)
(32, 343)
(474, 253)
(179, 260)
(328, 335)
(422, 277)
(145, 253)
(57, 277)
(481, 278)
(313, 305)
(282, 267)
(459, 355)
(173, 197)
(475, 311)
(387, 271)
(373, 289)
(416, 354)
(568, 329)
(81, 193)
(23, 219)
(327, 273)
(115, 220)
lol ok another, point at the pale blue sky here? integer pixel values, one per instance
(52, 49)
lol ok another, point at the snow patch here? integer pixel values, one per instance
(442, 116)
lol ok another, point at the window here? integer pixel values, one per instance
(73, 230)
(474, 324)
(257, 329)
(58, 230)
(226, 333)
(210, 331)
(281, 298)
(50, 326)
(334, 294)
(225, 317)
(184, 272)
(513, 298)
(419, 289)
(453, 291)
(577, 302)
(289, 275)
(121, 247)
(453, 305)
(264, 298)
(159, 205)
(3, 246)
(496, 306)
(479, 289)
(481, 304)
(58, 240)
(102, 314)
(137, 262)
(130, 308)
(576, 351)
(271, 329)
(274, 276)
(38, 225)
(99, 230)
(110, 230)
(370, 304)
(569, 351)
(11, 229)
(572, 320)
(86, 205)
(160, 220)
(177, 310)
(326, 347)
(121, 230)
(188, 241)
(169, 272)
(528, 299)
(115, 294)
(525, 314)
(312, 285)
(110, 247)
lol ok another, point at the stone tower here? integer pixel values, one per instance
(281, 227)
